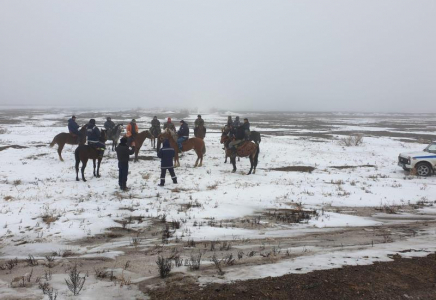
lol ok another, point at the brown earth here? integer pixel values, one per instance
(402, 278)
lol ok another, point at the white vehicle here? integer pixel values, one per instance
(423, 161)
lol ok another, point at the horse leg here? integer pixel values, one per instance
(77, 169)
(201, 161)
(61, 146)
(233, 161)
(93, 162)
(84, 162)
(98, 168)
(251, 164)
(136, 154)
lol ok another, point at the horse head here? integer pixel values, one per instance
(103, 136)
(224, 138)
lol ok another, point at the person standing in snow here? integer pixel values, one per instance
(123, 153)
(166, 155)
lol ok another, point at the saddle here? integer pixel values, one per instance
(73, 134)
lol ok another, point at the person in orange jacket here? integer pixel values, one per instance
(132, 131)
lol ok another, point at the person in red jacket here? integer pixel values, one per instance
(132, 131)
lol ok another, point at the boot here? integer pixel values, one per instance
(162, 182)
(175, 180)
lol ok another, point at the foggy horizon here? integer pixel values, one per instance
(300, 56)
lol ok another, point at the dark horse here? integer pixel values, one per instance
(193, 143)
(246, 149)
(200, 132)
(67, 138)
(139, 140)
(114, 135)
(85, 152)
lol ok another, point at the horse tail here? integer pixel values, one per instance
(256, 156)
(204, 148)
(55, 140)
(260, 139)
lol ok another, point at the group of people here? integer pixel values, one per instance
(238, 132)
(127, 145)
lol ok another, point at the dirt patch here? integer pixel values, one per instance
(353, 167)
(13, 147)
(400, 279)
(143, 157)
(306, 169)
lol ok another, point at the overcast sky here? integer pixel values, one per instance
(259, 55)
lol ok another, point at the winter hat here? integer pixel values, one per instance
(166, 143)
(92, 121)
(123, 140)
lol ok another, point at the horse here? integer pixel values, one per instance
(115, 135)
(67, 138)
(245, 149)
(139, 140)
(155, 133)
(85, 152)
(255, 137)
(193, 143)
(200, 132)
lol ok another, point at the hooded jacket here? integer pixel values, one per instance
(183, 130)
(93, 133)
(166, 155)
(73, 126)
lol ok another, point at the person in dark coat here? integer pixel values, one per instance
(155, 127)
(93, 134)
(73, 127)
(198, 122)
(246, 127)
(236, 123)
(238, 139)
(229, 121)
(166, 155)
(183, 134)
(123, 152)
(109, 125)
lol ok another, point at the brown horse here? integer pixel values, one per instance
(139, 140)
(193, 143)
(245, 149)
(67, 138)
(85, 152)
(200, 132)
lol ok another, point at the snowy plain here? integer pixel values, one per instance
(361, 206)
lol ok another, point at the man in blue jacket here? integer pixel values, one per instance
(166, 155)
(183, 134)
(73, 127)
(93, 134)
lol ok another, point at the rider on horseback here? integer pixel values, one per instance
(73, 128)
(155, 127)
(238, 139)
(109, 125)
(132, 131)
(169, 125)
(94, 135)
(183, 134)
(246, 127)
(199, 122)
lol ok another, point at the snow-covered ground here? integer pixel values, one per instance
(358, 190)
